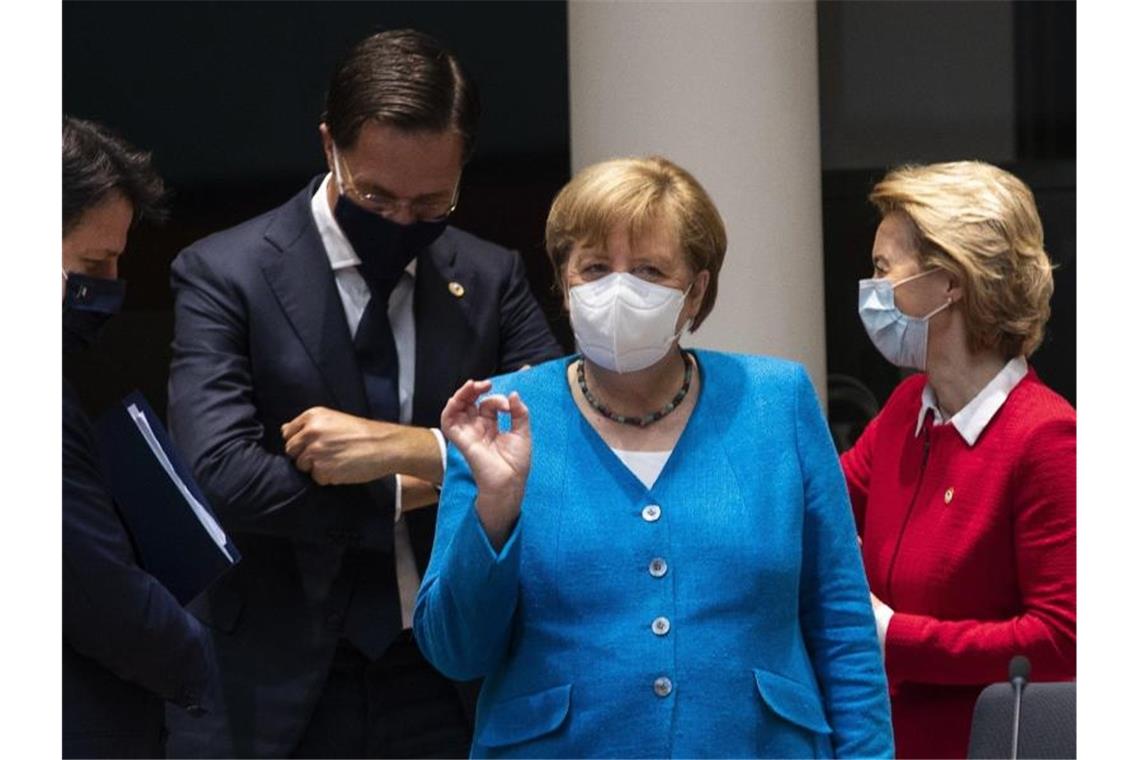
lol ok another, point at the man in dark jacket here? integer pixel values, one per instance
(314, 349)
(128, 644)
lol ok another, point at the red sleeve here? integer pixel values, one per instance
(928, 650)
(856, 463)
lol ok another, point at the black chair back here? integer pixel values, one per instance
(1048, 721)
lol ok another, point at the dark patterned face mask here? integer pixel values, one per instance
(88, 302)
(385, 247)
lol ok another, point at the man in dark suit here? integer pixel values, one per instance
(127, 642)
(315, 347)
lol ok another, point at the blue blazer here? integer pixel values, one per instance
(722, 612)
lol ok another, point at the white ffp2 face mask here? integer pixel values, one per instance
(899, 338)
(623, 323)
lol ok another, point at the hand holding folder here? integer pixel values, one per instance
(176, 535)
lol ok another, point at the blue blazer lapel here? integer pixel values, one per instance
(303, 283)
(444, 332)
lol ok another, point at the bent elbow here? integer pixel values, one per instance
(455, 654)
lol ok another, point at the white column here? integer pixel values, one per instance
(728, 90)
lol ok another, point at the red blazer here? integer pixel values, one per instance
(973, 547)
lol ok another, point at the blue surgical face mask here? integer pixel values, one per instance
(385, 247)
(902, 340)
(88, 302)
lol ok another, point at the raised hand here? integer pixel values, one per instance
(499, 461)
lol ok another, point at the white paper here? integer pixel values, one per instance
(203, 514)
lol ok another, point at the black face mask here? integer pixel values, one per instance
(385, 248)
(88, 302)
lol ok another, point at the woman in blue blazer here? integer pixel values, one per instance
(655, 556)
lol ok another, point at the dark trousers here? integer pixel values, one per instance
(397, 706)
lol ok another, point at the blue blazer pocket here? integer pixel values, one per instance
(523, 718)
(792, 700)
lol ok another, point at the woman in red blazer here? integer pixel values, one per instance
(964, 485)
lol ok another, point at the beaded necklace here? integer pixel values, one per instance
(647, 419)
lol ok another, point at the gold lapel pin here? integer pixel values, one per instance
(949, 494)
(456, 289)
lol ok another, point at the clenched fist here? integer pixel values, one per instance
(337, 448)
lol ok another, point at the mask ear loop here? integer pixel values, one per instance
(905, 280)
(943, 307)
(926, 320)
(688, 322)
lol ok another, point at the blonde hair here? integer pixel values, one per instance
(980, 224)
(637, 194)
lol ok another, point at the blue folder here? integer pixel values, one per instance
(174, 530)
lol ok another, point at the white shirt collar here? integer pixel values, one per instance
(340, 252)
(972, 419)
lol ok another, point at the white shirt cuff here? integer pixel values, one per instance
(399, 498)
(442, 447)
(883, 615)
(439, 439)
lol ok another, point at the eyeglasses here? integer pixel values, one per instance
(424, 210)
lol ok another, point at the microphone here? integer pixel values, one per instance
(1019, 678)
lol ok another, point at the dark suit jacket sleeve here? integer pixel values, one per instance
(213, 420)
(113, 611)
(526, 336)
